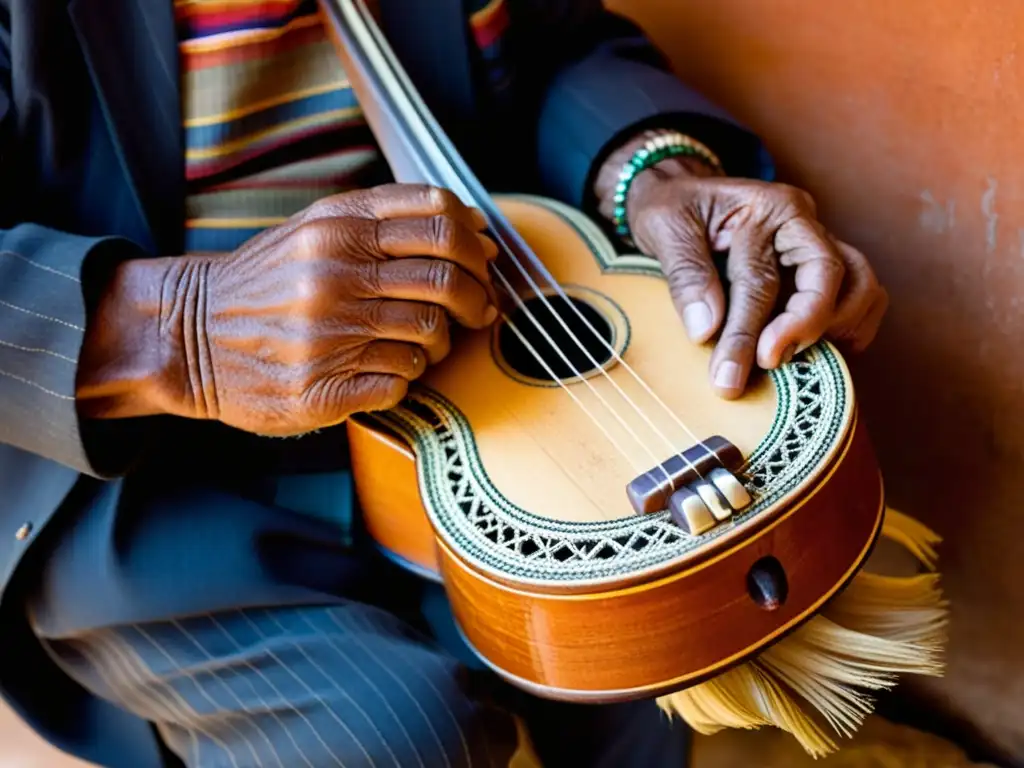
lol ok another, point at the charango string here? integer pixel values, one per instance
(455, 175)
(507, 287)
(618, 358)
(415, 119)
(547, 368)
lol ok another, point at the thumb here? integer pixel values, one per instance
(680, 243)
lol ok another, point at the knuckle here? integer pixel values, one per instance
(368, 202)
(688, 277)
(318, 400)
(364, 202)
(310, 213)
(306, 284)
(311, 238)
(688, 267)
(370, 281)
(833, 266)
(307, 288)
(443, 200)
(760, 279)
(444, 232)
(372, 238)
(430, 323)
(324, 207)
(442, 278)
(354, 201)
(795, 198)
(371, 316)
(363, 355)
(739, 339)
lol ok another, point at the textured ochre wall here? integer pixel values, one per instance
(904, 120)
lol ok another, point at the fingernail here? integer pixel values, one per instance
(729, 375)
(788, 352)
(490, 314)
(697, 319)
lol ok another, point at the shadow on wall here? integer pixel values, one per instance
(903, 120)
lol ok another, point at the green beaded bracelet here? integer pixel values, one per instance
(659, 147)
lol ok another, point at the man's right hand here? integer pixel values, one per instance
(331, 313)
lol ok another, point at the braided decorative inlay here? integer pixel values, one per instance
(489, 531)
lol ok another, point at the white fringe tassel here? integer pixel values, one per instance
(878, 628)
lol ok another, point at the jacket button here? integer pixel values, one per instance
(23, 533)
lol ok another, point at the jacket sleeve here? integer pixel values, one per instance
(604, 81)
(45, 278)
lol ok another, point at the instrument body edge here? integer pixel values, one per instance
(641, 631)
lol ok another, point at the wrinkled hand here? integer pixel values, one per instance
(681, 215)
(331, 313)
(336, 311)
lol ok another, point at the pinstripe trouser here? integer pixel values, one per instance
(353, 678)
(346, 685)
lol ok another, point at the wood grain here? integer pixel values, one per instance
(650, 638)
(648, 632)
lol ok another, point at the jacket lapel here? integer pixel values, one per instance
(130, 47)
(134, 67)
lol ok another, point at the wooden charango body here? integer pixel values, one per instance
(531, 471)
(512, 491)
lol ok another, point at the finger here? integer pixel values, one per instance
(396, 201)
(681, 245)
(858, 294)
(802, 243)
(387, 201)
(444, 238)
(333, 398)
(435, 281)
(754, 278)
(373, 392)
(872, 322)
(412, 322)
(393, 357)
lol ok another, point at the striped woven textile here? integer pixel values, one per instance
(271, 122)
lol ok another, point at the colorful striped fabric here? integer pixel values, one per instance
(271, 123)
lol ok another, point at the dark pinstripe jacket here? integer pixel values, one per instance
(91, 170)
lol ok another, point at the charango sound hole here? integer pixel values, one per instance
(568, 336)
(767, 584)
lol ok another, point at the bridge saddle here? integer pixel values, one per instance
(699, 487)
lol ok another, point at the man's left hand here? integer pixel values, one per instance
(680, 213)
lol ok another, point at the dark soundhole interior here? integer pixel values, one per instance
(522, 358)
(767, 584)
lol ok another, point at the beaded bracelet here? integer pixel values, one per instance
(659, 147)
